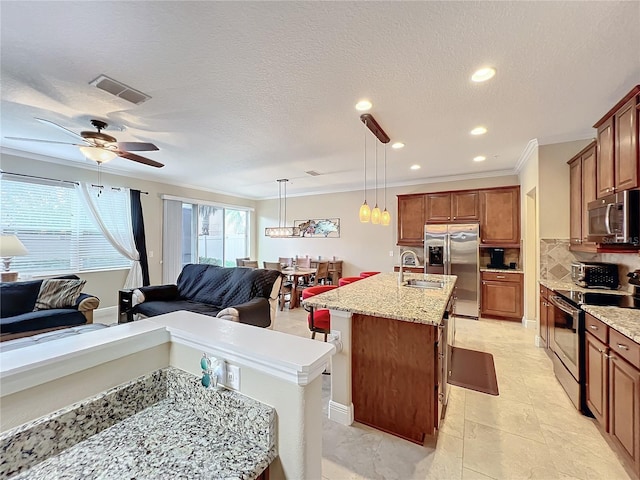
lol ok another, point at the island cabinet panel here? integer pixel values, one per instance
(500, 216)
(411, 219)
(394, 379)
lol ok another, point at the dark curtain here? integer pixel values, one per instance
(137, 221)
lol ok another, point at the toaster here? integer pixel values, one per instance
(595, 274)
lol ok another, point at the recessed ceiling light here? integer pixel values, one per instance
(483, 74)
(415, 167)
(478, 131)
(398, 145)
(479, 158)
(363, 105)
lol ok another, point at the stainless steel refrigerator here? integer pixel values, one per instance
(452, 249)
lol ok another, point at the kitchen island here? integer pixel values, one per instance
(391, 371)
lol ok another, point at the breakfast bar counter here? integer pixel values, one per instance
(391, 367)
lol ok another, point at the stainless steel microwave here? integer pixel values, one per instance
(615, 218)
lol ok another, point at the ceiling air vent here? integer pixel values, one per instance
(313, 173)
(119, 89)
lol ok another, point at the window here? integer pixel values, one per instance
(60, 236)
(202, 233)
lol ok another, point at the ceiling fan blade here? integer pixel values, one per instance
(66, 130)
(44, 141)
(139, 159)
(136, 146)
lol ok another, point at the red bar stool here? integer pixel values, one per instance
(319, 320)
(368, 274)
(347, 280)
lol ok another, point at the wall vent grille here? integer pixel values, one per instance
(119, 89)
(313, 173)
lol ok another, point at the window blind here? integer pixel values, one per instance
(50, 221)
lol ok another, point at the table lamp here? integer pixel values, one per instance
(10, 246)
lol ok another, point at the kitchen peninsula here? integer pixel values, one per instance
(391, 371)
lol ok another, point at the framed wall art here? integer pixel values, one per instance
(319, 227)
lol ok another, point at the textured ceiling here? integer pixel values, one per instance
(245, 93)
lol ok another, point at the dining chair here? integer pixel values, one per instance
(303, 262)
(319, 320)
(286, 287)
(250, 263)
(272, 266)
(288, 261)
(240, 261)
(322, 275)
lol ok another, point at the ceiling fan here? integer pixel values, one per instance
(100, 147)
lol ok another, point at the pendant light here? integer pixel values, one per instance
(365, 210)
(375, 213)
(386, 216)
(282, 231)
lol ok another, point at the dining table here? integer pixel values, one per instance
(295, 273)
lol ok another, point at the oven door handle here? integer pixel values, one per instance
(563, 305)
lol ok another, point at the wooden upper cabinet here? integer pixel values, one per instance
(411, 219)
(438, 207)
(465, 206)
(500, 216)
(626, 145)
(589, 187)
(605, 177)
(618, 160)
(575, 200)
(444, 207)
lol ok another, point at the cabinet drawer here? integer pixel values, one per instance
(596, 328)
(501, 277)
(624, 347)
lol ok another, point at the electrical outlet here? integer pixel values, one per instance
(336, 334)
(391, 253)
(233, 377)
(150, 253)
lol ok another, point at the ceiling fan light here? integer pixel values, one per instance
(97, 154)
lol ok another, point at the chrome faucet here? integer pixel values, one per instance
(402, 255)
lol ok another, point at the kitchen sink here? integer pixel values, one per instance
(414, 283)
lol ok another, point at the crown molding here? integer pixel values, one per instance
(525, 155)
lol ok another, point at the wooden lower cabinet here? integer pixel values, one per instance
(409, 269)
(612, 387)
(394, 379)
(501, 295)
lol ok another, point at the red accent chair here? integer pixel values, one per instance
(368, 274)
(319, 320)
(347, 280)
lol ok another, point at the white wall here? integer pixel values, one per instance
(105, 285)
(362, 247)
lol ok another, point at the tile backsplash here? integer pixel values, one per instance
(556, 258)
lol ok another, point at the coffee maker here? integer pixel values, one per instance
(497, 258)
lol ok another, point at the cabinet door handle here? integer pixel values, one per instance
(622, 347)
(500, 276)
(454, 218)
(593, 327)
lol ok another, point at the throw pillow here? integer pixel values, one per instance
(56, 293)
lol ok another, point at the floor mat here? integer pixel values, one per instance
(473, 370)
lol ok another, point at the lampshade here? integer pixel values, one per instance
(11, 246)
(97, 154)
(365, 212)
(375, 215)
(385, 218)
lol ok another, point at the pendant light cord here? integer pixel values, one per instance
(365, 162)
(385, 176)
(376, 176)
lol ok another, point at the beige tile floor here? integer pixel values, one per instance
(530, 430)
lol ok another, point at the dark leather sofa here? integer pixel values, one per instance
(239, 294)
(17, 318)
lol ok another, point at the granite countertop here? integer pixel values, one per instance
(624, 320)
(180, 430)
(502, 270)
(381, 296)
